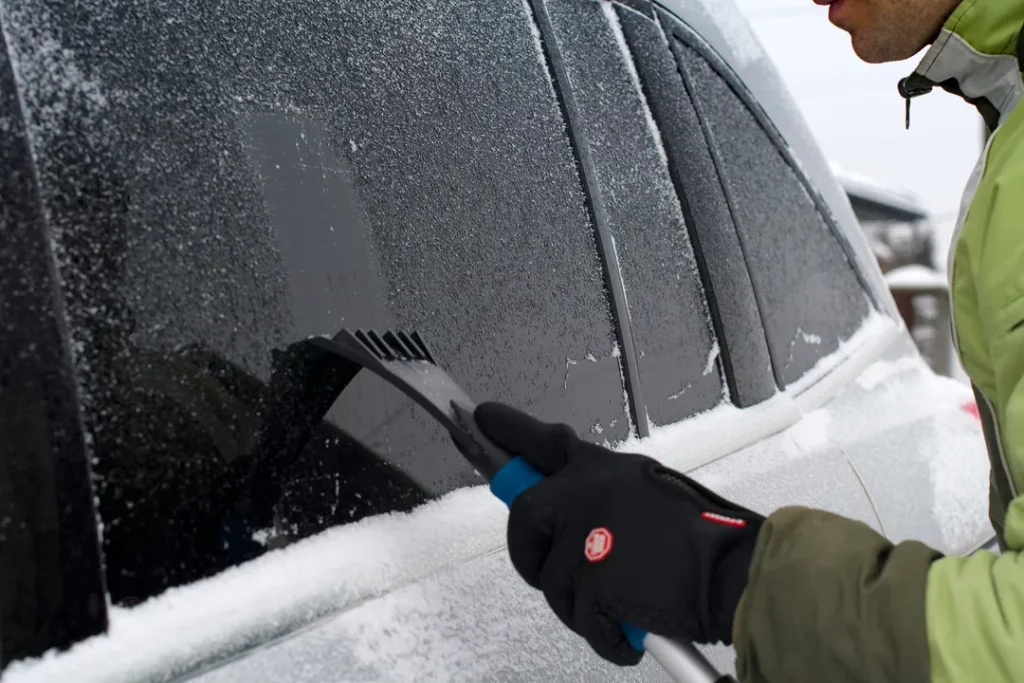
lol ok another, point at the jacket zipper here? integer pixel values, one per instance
(965, 204)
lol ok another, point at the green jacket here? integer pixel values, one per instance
(831, 600)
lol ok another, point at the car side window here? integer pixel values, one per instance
(808, 291)
(676, 347)
(287, 177)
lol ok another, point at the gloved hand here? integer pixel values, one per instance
(611, 537)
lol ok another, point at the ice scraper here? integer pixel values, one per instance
(405, 361)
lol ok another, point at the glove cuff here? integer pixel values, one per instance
(732, 574)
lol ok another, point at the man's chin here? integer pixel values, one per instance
(873, 53)
(867, 54)
(880, 52)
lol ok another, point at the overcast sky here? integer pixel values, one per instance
(857, 114)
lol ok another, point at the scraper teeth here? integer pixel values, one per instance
(419, 344)
(365, 341)
(374, 344)
(415, 351)
(391, 345)
(397, 346)
(385, 351)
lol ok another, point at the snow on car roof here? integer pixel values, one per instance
(916, 277)
(871, 190)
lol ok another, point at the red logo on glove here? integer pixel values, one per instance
(598, 545)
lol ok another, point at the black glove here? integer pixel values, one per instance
(612, 537)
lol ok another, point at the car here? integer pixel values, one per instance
(902, 237)
(609, 214)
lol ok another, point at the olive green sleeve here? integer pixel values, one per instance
(829, 599)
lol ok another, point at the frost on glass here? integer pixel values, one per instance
(726, 19)
(807, 290)
(223, 180)
(668, 314)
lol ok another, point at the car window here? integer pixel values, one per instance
(735, 319)
(287, 169)
(809, 293)
(676, 347)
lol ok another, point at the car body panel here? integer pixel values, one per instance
(920, 452)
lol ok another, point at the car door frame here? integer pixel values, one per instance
(37, 380)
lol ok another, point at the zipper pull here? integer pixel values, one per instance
(908, 91)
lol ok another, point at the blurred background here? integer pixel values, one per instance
(905, 185)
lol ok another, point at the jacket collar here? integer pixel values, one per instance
(978, 55)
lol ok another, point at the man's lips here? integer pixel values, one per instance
(833, 7)
(833, 10)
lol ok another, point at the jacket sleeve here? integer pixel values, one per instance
(829, 599)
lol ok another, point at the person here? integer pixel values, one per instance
(806, 595)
